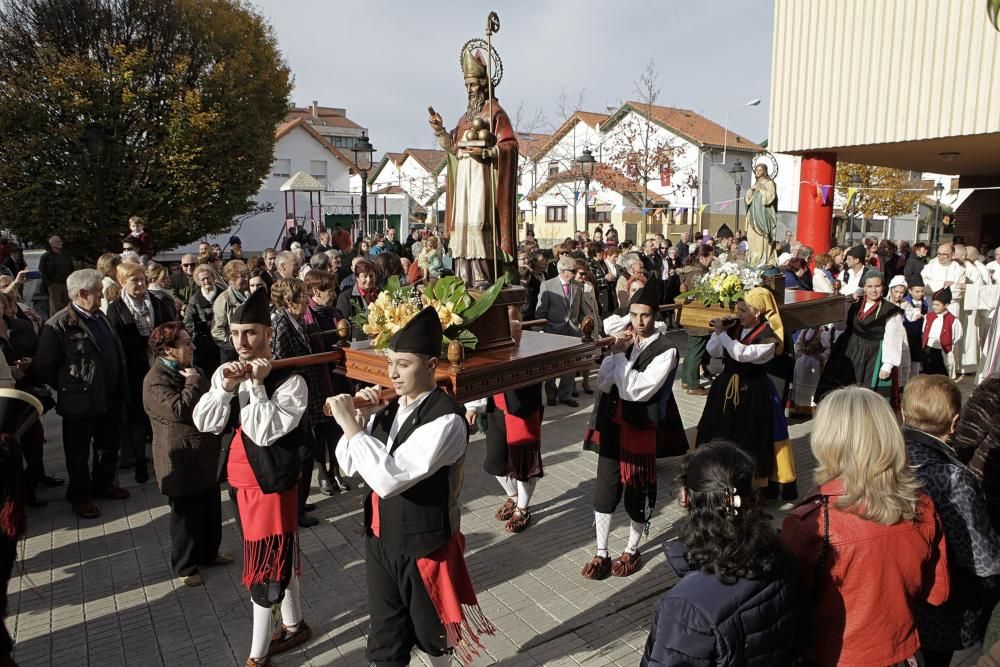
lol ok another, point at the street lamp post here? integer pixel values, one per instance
(856, 184)
(737, 172)
(95, 140)
(586, 163)
(936, 231)
(725, 123)
(363, 151)
(693, 185)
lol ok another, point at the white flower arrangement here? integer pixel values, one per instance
(725, 284)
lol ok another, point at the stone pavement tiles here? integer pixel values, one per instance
(102, 593)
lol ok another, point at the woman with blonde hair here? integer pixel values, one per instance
(158, 282)
(198, 318)
(107, 265)
(869, 544)
(743, 404)
(238, 277)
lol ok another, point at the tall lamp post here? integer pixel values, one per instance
(856, 184)
(693, 186)
(95, 140)
(737, 172)
(936, 231)
(363, 151)
(586, 163)
(725, 123)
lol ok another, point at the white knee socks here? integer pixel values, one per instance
(262, 629)
(524, 491)
(602, 522)
(438, 660)
(634, 535)
(509, 486)
(291, 608)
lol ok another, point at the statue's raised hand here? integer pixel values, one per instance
(436, 123)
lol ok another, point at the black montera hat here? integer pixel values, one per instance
(858, 252)
(421, 335)
(943, 295)
(724, 232)
(648, 294)
(255, 310)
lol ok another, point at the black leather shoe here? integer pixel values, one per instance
(326, 488)
(551, 401)
(570, 402)
(306, 521)
(309, 507)
(47, 481)
(141, 475)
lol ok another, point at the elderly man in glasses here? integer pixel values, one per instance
(943, 271)
(183, 284)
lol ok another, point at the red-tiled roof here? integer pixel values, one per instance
(604, 174)
(528, 142)
(288, 126)
(588, 117)
(427, 158)
(329, 116)
(686, 123)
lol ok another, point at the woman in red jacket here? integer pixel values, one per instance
(868, 543)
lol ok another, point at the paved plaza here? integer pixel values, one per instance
(101, 592)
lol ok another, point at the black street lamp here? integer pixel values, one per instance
(936, 232)
(693, 186)
(95, 140)
(856, 183)
(737, 172)
(586, 163)
(363, 151)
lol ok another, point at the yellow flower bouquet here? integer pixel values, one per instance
(397, 303)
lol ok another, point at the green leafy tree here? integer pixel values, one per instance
(182, 95)
(883, 191)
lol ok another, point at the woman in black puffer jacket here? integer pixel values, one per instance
(738, 602)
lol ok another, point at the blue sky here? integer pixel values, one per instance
(387, 61)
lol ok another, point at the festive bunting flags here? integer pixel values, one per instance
(850, 195)
(701, 209)
(724, 205)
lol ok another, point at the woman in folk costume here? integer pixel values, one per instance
(635, 419)
(513, 448)
(942, 333)
(265, 408)
(743, 404)
(870, 350)
(411, 453)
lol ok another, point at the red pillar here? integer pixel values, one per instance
(815, 218)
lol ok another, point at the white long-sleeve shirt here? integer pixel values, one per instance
(617, 370)
(263, 420)
(429, 447)
(754, 353)
(934, 333)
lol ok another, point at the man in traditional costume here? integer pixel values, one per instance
(482, 181)
(869, 352)
(634, 418)
(513, 448)
(264, 408)
(853, 278)
(411, 454)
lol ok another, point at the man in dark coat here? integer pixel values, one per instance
(915, 263)
(80, 355)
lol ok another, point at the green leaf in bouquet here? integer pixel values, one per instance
(429, 291)
(483, 303)
(468, 339)
(392, 284)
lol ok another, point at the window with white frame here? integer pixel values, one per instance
(553, 168)
(282, 168)
(317, 169)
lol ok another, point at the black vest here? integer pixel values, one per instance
(640, 414)
(277, 467)
(422, 518)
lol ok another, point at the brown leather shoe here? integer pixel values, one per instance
(113, 493)
(86, 509)
(627, 564)
(283, 640)
(597, 569)
(506, 510)
(259, 662)
(698, 392)
(519, 521)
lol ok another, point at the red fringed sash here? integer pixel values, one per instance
(269, 521)
(524, 441)
(637, 452)
(449, 586)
